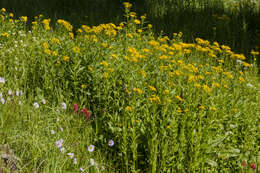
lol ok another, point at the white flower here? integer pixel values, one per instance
(81, 169)
(36, 105)
(110, 143)
(71, 155)
(17, 93)
(92, 162)
(59, 143)
(250, 85)
(52, 132)
(58, 119)
(43, 101)
(239, 61)
(91, 148)
(20, 102)
(75, 161)
(2, 100)
(10, 92)
(62, 150)
(21, 92)
(63, 105)
(2, 80)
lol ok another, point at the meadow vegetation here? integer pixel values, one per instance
(115, 98)
(230, 22)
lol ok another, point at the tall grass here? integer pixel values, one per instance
(146, 103)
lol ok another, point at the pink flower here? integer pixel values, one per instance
(75, 108)
(86, 112)
(253, 166)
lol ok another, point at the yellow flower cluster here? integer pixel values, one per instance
(46, 23)
(66, 24)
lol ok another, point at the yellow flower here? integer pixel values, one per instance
(133, 14)
(5, 34)
(154, 43)
(83, 86)
(114, 56)
(221, 61)
(45, 45)
(213, 109)
(104, 45)
(54, 53)
(58, 62)
(241, 79)
(24, 18)
(202, 107)
(197, 85)
(3, 10)
(110, 70)
(55, 40)
(143, 73)
(128, 109)
(228, 74)
(206, 88)
(139, 91)
(178, 98)
(235, 110)
(143, 17)
(166, 91)
(186, 110)
(76, 49)
(246, 64)
(149, 26)
(152, 88)
(47, 51)
(71, 35)
(66, 58)
(66, 24)
(164, 57)
(104, 63)
(127, 5)
(155, 99)
(129, 35)
(106, 75)
(90, 68)
(215, 84)
(11, 14)
(46, 23)
(179, 110)
(254, 53)
(136, 21)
